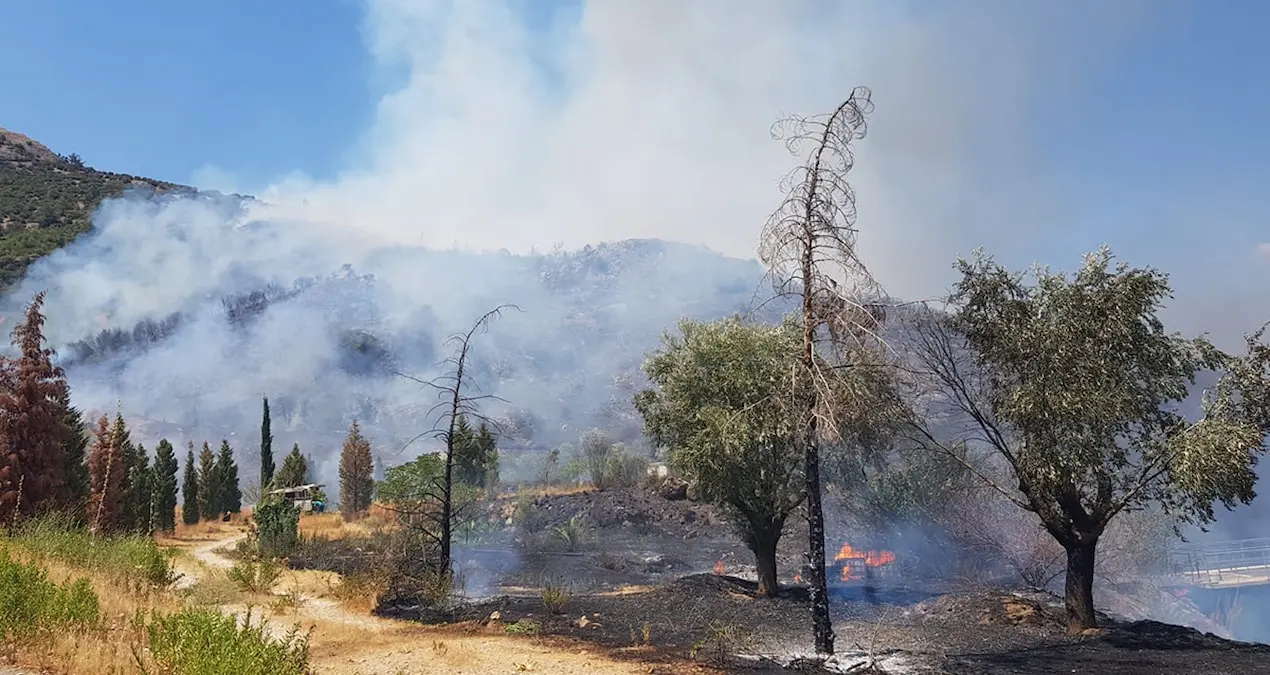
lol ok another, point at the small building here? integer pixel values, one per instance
(304, 497)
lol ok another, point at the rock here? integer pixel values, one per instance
(673, 489)
(582, 622)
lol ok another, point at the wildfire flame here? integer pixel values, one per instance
(718, 568)
(873, 558)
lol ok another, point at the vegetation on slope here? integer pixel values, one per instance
(47, 200)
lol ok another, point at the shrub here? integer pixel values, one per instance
(206, 642)
(256, 576)
(574, 533)
(277, 527)
(31, 604)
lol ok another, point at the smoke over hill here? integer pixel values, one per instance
(185, 311)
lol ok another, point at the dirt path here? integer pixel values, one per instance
(348, 643)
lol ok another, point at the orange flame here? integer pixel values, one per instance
(718, 568)
(798, 578)
(872, 558)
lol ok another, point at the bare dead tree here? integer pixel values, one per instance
(809, 248)
(454, 402)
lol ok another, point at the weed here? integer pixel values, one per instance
(523, 627)
(215, 588)
(206, 642)
(574, 533)
(644, 636)
(718, 644)
(555, 596)
(255, 576)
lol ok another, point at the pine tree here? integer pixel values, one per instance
(106, 470)
(190, 490)
(208, 485)
(164, 487)
(230, 499)
(294, 470)
(357, 483)
(74, 462)
(138, 492)
(33, 430)
(266, 449)
(475, 455)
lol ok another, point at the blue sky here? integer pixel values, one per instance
(1157, 146)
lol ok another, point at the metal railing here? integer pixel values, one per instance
(1227, 563)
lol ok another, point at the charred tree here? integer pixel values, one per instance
(809, 248)
(455, 404)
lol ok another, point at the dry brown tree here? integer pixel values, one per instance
(809, 248)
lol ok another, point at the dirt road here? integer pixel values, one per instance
(348, 643)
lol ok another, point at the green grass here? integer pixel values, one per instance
(127, 557)
(206, 642)
(31, 605)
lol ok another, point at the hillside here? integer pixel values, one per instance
(185, 308)
(46, 200)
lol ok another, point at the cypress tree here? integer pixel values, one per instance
(230, 499)
(266, 449)
(208, 485)
(190, 490)
(357, 484)
(164, 487)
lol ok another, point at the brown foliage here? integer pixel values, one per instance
(106, 467)
(33, 430)
(357, 484)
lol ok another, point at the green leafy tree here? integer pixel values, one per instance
(230, 498)
(137, 479)
(266, 448)
(209, 491)
(721, 405)
(1075, 386)
(357, 466)
(190, 489)
(415, 492)
(294, 470)
(164, 510)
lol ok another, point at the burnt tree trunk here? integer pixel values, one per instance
(1078, 593)
(763, 540)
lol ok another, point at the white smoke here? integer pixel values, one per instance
(518, 128)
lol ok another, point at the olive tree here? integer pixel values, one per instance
(721, 405)
(1073, 389)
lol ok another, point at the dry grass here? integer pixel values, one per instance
(332, 526)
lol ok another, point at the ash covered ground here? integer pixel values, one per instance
(647, 576)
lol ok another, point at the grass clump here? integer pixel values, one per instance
(523, 627)
(31, 605)
(206, 642)
(126, 557)
(555, 596)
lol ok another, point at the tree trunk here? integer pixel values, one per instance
(1079, 587)
(763, 543)
(822, 627)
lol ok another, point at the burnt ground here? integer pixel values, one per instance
(640, 583)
